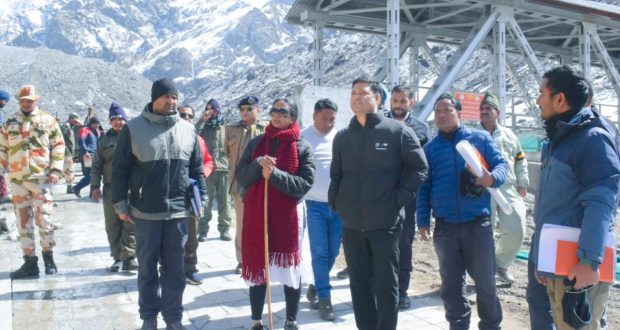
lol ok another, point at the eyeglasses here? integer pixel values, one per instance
(245, 108)
(282, 112)
(186, 115)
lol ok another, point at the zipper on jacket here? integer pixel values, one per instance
(363, 179)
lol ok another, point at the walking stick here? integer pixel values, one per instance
(267, 256)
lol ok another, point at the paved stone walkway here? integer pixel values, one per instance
(85, 295)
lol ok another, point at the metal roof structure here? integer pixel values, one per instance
(568, 30)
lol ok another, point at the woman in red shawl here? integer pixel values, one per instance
(285, 160)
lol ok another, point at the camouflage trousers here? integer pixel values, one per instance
(67, 170)
(32, 199)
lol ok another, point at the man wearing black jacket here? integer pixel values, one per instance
(156, 155)
(377, 168)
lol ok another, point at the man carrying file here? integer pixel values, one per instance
(579, 183)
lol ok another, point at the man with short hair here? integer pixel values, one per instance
(377, 167)
(156, 156)
(461, 206)
(237, 137)
(186, 112)
(32, 150)
(511, 226)
(212, 129)
(579, 184)
(324, 225)
(401, 103)
(120, 233)
(68, 135)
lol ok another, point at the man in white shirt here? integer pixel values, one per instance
(324, 225)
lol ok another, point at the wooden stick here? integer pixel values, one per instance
(267, 256)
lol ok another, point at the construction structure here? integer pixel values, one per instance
(572, 31)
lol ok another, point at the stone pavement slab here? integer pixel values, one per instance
(85, 295)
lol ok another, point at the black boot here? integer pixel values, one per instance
(30, 268)
(48, 260)
(69, 189)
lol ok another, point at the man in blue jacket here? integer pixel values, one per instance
(463, 235)
(156, 155)
(579, 183)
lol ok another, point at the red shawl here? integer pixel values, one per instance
(281, 213)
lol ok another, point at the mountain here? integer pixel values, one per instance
(212, 49)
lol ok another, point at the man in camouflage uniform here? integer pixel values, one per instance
(69, 136)
(237, 137)
(32, 149)
(121, 237)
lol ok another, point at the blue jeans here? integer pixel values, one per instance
(541, 317)
(325, 232)
(85, 181)
(161, 240)
(461, 247)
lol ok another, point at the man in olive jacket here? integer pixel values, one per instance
(377, 168)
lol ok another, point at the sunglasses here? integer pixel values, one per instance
(245, 108)
(282, 112)
(186, 115)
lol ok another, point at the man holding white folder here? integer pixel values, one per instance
(579, 183)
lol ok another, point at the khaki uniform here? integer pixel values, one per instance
(237, 138)
(120, 233)
(511, 226)
(30, 148)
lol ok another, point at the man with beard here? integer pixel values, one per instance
(156, 156)
(400, 105)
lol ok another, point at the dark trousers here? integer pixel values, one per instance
(191, 247)
(161, 240)
(85, 181)
(257, 301)
(541, 316)
(406, 250)
(372, 259)
(467, 247)
(120, 234)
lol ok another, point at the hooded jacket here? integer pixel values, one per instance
(155, 158)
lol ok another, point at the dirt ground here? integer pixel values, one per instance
(425, 281)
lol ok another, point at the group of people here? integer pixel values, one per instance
(299, 194)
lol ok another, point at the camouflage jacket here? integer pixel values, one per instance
(31, 146)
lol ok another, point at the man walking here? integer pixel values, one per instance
(463, 235)
(156, 156)
(324, 225)
(401, 103)
(120, 233)
(377, 168)
(69, 137)
(511, 226)
(237, 137)
(32, 149)
(211, 128)
(579, 183)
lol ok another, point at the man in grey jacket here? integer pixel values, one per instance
(377, 167)
(156, 156)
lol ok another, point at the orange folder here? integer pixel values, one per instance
(566, 259)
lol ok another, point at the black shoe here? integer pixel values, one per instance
(30, 269)
(239, 268)
(69, 189)
(175, 326)
(202, 238)
(76, 193)
(150, 324)
(504, 275)
(48, 260)
(404, 303)
(193, 278)
(291, 325)
(116, 266)
(326, 310)
(130, 264)
(225, 236)
(259, 326)
(312, 298)
(343, 274)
